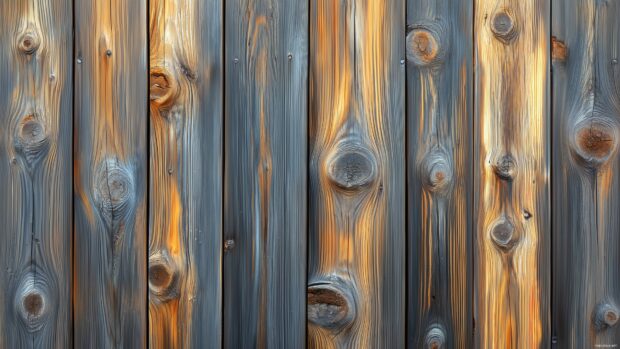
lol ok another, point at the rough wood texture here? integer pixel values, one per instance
(185, 215)
(35, 174)
(356, 291)
(110, 174)
(586, 174)
(439, 139)
(265, 173)
(511, 194)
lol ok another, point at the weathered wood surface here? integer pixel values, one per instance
(439, 140)
(185, 206)
(110, 174)
(586, 173)
(265, 173)
(356, 285)
(511, 190)
(35, 174)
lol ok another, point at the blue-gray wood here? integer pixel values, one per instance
(110, 174)
(265, 173)
(185, 201)
(35, 174)
(439, 142)
(586, 174)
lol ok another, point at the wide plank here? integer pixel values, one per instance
(511, 174)
(266, 44)
(356, 270)
(110, 174)
(586, 174)
(439, 188)
(185, 201)
(35, 173)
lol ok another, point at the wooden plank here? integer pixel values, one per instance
(35, 173)
(356, 291)
(110, 169)
(265, 173)
(439, 138)
(185, 215)
(511, 191)
(586, 174)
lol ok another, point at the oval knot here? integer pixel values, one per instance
(330, 304)
(503, 26)
(352, 167)
(594, 141)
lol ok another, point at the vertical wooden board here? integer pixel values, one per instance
(265, 173)
(439, 140)
(35, 174)
(356, 291)
(511, 190)
(185, 248)
(110, 174)
(586, 177)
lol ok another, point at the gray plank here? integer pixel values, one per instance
(35, 174)
(356, 295)
(110, 174)
(439, 140)
(586, 173)
(265, 173)
(185, 201)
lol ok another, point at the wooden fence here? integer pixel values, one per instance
(322, 173)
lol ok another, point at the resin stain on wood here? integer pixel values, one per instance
(35, 173)
(356, 267)
(110, 174)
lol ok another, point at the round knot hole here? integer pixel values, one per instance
(163, 87)
(159, 276)
(352, 168)
(33, 304)
(503, 26)
(503, 235)
(328, 306)
(423, 45)
(28, 43)
(505, 168)
(605, 316)
(31, 139)
(163, 277)
(595, 141)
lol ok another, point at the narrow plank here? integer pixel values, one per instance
(356, 291)
(439, 139)
(35, 173)
(586, 174)
(185, 215)
(511, 190)
(110, 174)
(265, 173)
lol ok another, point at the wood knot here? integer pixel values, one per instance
(436, 171)
(505, 167)
(559, 52)
(229, 245)
(163, 86)
(605, 316)
(163, 276)
(113, 190)
(31, 139)
(503, 26)
(352, 166)
(503, 235)
(424, 45)
(28, 42)
(435, 337)
(31, 302)
(330, 304)
(594, 141)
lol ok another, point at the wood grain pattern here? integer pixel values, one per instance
(110, 174)
(586, 180)
(265, 173)
(185, 208)
(356, 291)
(511, 190)
(35, 174)
(439, 139)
